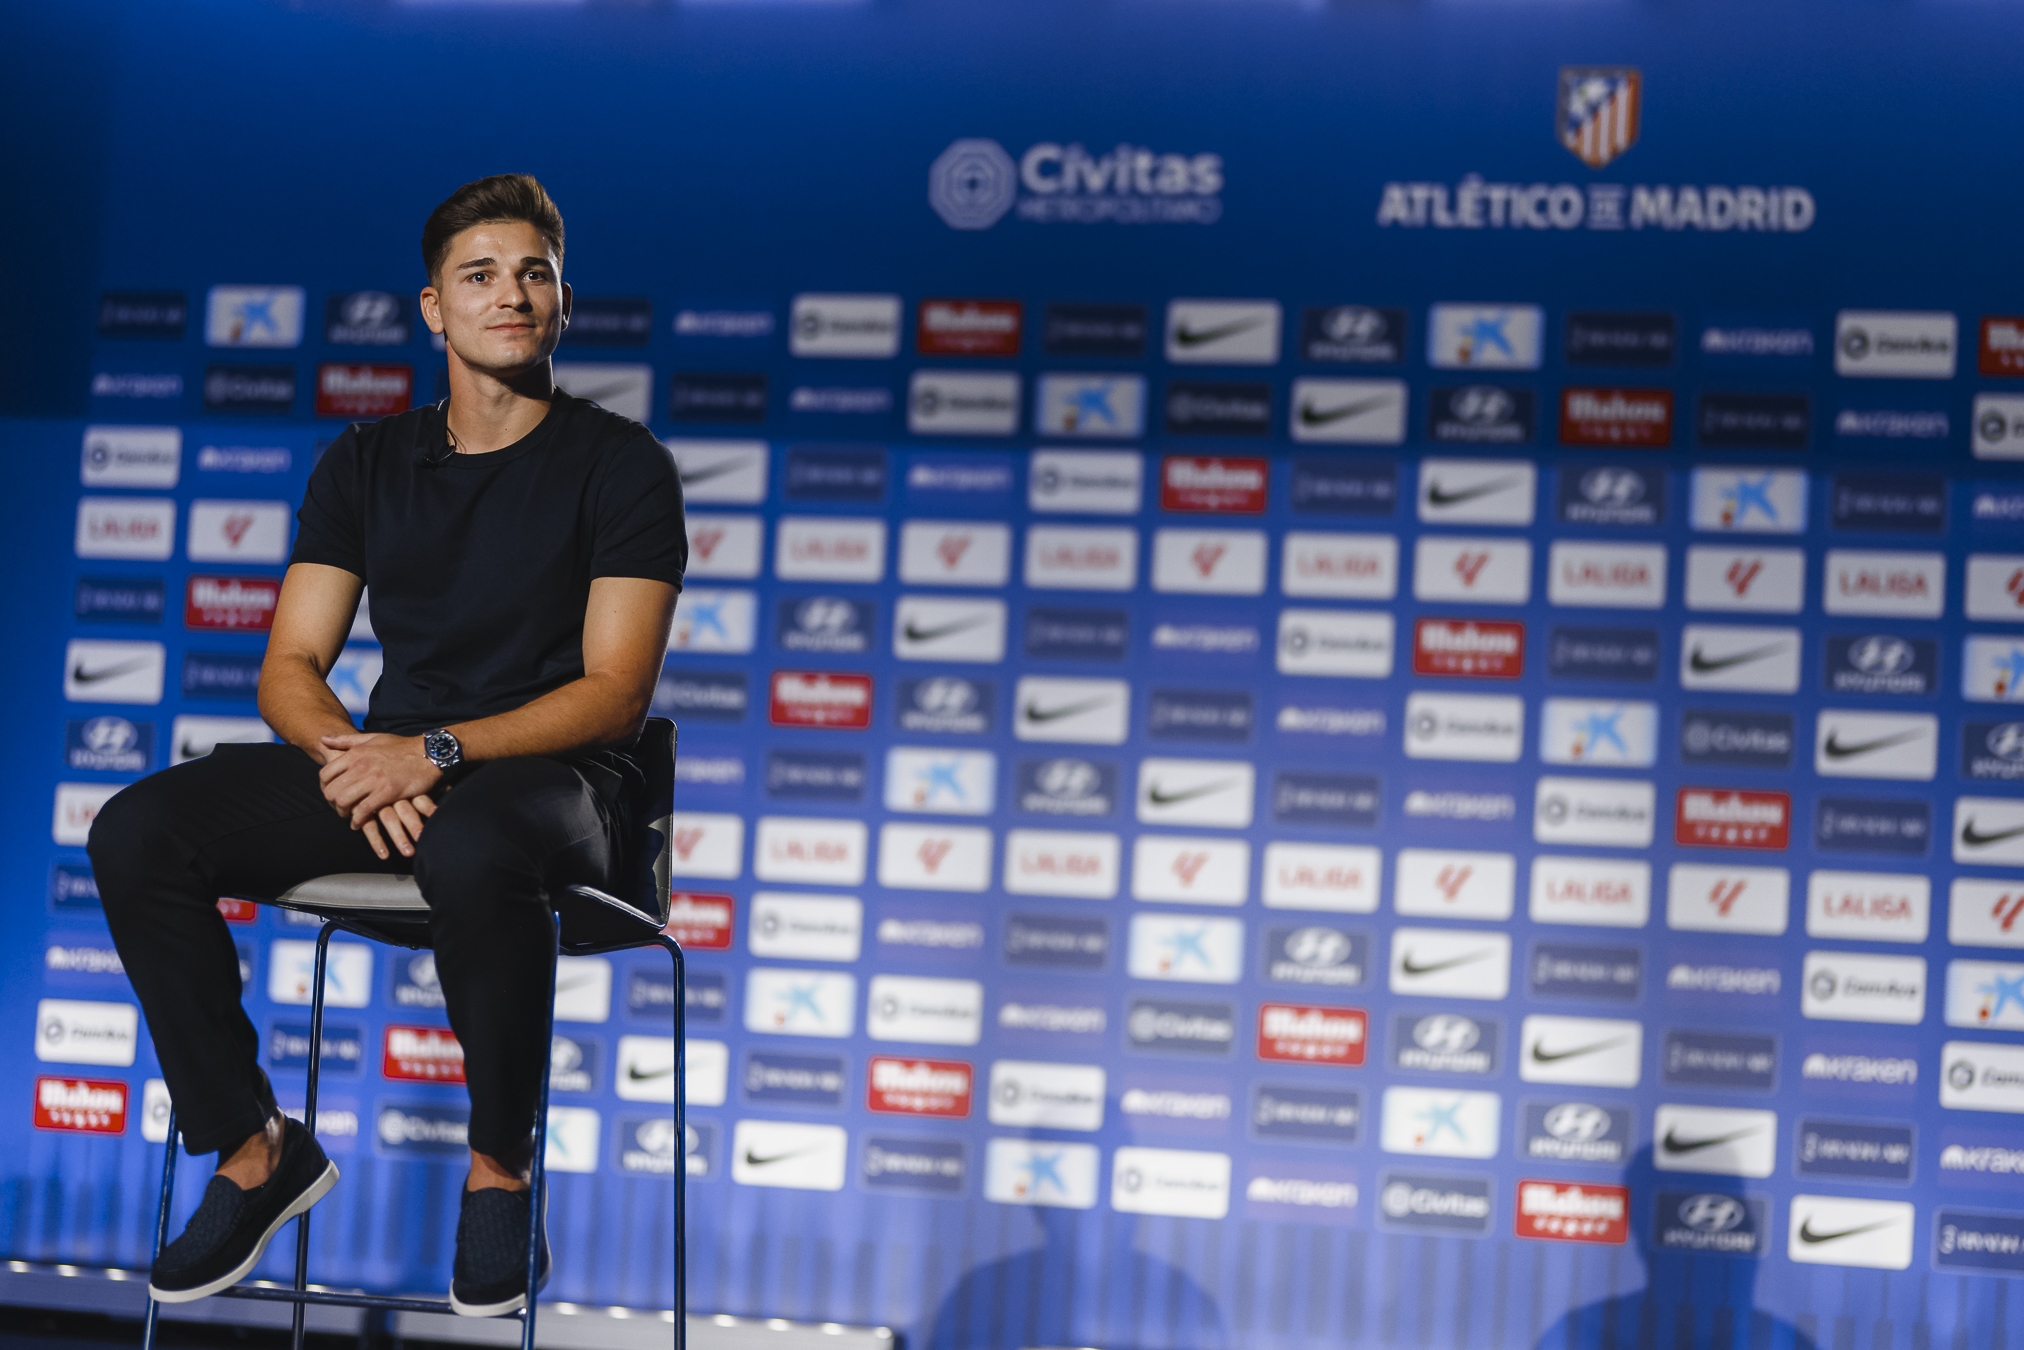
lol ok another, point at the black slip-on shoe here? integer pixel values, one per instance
(490, 1276)
(231, 1229)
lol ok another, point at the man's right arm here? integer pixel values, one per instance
(310, 624)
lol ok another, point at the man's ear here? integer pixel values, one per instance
(567, 297)
(430, 302)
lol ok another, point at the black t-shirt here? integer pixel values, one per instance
(479, 566)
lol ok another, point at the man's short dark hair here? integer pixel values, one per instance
(503, 196)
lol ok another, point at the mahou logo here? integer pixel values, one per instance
(344, 390)
(1307, 1033)
(701, 922)
(422, 1055)
(1213, 484)
(1573, 1213)
(919, 1087)
(1470, 648)
(1720, 818)
(815, 699)
(1620, 417)
(81, 1105)
(231, 604)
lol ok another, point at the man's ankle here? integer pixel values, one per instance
(503, 1174)
(254, 1161)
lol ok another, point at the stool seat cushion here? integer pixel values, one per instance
(375, 892)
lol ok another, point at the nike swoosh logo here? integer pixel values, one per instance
(1702, 664)
(1807, 1235)
(1440, 496)
(917, 634)
(757, 1160)
(1034, 713)
(709, 471)
(1408, 966)
(1156, 797)
(1195, 337)
(1834, 749)
(1541, 1055)
(633, 1072)
(79, 675)
(1674, 1144)
(1974, 838)
(1311, 416)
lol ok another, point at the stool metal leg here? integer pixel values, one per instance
(674, 950)
(537, 1182)
(300, 1326)
(161, 1226)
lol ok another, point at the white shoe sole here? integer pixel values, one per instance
(317, 1190)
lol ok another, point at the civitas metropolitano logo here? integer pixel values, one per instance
(1597, 118)
(973, 183)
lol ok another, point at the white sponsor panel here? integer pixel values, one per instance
(714, 620)
(1081, 557)
(809, 849)
(1037, 1172)
(621, 387)
(194, 737)
(1086, 482)
(155, 1108)
(706, 844)
(138, 528)
(1083, 864)
(725, 547)
(1604, 892)
(1704, 898)
(1190, 871)
(955, 553)
(1478, 491)
(1998, 426)
(132, 457)
(941, 782)
(1582, 1051)
(1994, 588)
(829, 548)
(1344, 878)
(928, 628)
(1489, 728)
(1895, 343)
(1440, 1122)
(1741, 660)
(706, 1070)
(925, 1010)
(1349, 412)
(720, 472)
(980, 403)
(1485, 571)
(1612, 812)
(791, 1155)
(1484, 337)
(1898, 584)
(1826, 1230)
(582, 989)
(573, 1133)
(234, 531)
(1323, 565)
(1983, 913)
(1985, 994)
(1108, 407)
(1606, 576)
(1189, 947)
(1749, 501)
(253, 316)
(1992, 670)
(1209, 562)
(113, 671)
(934, 857)
(347, 973)
(1451, 963)
(1451, 884)
(1977, 1076)
(1182, 1183)
(1044, 1096)
(805, 927)
(1599, 733)
(1989, 831)
(1223, 332)
(1325, 642)
(73, 1031)
(1718, 1140)
(1904, 746)
(782, 1002)
(1863, 987)
(1071, 711)
(645, 1070)
(844, 325)
(1756, 580)
(1217, 792)
(77, 806)
(1869, 906)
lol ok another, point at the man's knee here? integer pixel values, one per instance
(131, 835)
(466, 857)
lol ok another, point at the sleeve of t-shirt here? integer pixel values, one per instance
(330, 527)
(639, 531)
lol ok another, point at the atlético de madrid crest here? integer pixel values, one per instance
(1598, 112)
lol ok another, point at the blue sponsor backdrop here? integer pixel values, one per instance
(1654, 258)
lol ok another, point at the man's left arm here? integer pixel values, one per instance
(625, 643)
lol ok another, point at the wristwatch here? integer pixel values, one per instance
(442, 749)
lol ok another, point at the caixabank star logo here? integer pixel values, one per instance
(1598, 111)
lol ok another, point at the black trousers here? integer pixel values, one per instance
(252, 818)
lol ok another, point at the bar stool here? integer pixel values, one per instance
(588, 922)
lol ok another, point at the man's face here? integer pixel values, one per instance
(499, 302)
